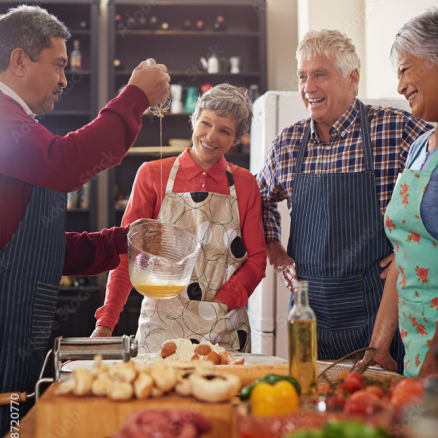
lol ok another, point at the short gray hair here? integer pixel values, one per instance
(332, 44)
(224, 100)
(29, 28)
(418, 37)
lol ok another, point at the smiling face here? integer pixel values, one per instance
(325, 93)
(213, 136)
(418, 82)
(44, 79)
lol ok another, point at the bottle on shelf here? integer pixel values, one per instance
(131, 23)
(153, 22)
(118, 20)
(253, 92)
(191, 99)
(83, 25)
(164, 26)
(117, 64)
(303, 350)
(220, 23)
(76, 57)
(187, 25)
(199, 25)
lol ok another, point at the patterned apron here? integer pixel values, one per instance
(214, 218)
(416, 257)
(30, 272)
(337, 240)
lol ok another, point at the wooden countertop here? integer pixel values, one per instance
(50, 406)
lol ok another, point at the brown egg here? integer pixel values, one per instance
(202, 349)
(214, 357)
(167, 349)
(195, 357)
(226, 358)
(238, 361)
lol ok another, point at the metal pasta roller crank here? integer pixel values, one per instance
(112, 348)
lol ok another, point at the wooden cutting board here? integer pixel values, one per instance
(73, 417)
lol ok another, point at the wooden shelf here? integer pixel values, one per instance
(82, 72)
(78, 210)
(200, 73)
(199, 33)
(155, 150)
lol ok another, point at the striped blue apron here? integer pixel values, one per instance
(337, 240)
(30, 271)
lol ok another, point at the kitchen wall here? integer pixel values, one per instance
(371, 24)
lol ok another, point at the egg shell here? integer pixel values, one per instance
(214, 357)
(167, 349)
(202, 350)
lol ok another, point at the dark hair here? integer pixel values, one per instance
(30, 28)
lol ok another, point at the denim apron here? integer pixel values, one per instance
(30, 271)
(337, 240)
(417, 260)
(215, 219)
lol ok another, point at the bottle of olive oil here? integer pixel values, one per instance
(303, 351)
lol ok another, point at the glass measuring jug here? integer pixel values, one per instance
(161, 258)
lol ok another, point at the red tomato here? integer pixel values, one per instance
(343, 375)
(361, 402)
(408, 388)
(351, 384)
(357, 376)
(375, 390)
(363, 395)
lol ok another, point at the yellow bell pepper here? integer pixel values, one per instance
(279, 399)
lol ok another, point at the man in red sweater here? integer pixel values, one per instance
(37, 169)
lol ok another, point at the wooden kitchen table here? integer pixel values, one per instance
(71, 416)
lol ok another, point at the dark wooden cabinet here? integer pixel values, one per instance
(133, 38)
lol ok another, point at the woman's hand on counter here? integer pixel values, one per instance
(102, 332)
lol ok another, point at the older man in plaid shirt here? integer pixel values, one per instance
(337, 171)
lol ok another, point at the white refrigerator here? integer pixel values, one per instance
(268, 306)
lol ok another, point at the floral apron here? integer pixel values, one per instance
(214, 218)
(416, 258)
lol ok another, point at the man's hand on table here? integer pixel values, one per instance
(101, 332)
(282, 264)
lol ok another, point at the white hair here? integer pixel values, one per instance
(332, 44)
(224, 100)
(418, 37)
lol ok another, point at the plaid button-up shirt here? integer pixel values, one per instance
(392, 132)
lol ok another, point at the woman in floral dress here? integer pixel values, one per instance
(410, 297)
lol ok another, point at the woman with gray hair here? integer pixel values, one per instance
(410, 297)
(220, 203)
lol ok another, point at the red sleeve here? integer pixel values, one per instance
(94, 253)
(30, 153)
(144, 202)
(236, 291)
